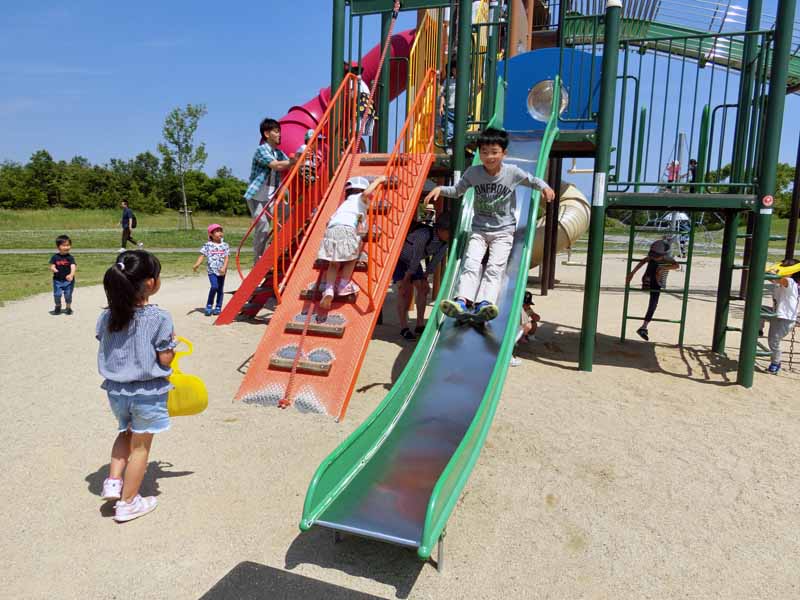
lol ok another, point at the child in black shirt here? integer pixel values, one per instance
(63, 267)
(659, 263)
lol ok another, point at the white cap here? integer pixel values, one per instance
(356, 183)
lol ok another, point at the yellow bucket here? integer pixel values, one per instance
(783, 271)
(189, 396)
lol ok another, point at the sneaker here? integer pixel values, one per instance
(67, 311)
(486, 311)
(208, 311)
(774, 367)
(453, 308)
(112, 489)
(346, 289)
(56, 311)
(515, 362)
(642, 332)
(419, 329)
(138, 507)
(216, 311)
(327, 298)
(121, 250)
(140, 245)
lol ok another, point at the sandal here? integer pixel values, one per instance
(405, 332)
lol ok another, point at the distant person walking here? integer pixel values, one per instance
(269, 162)
(62, 264)
(128, 223)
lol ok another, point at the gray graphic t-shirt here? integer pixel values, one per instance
(494, 195)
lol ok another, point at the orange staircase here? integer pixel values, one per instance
(310, 357)
(304, 189)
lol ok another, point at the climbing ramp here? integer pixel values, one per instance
(309, 357)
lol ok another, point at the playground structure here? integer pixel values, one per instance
(398, 477)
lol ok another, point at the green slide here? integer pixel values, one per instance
(398, 477)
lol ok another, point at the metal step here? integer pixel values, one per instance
(333, 324)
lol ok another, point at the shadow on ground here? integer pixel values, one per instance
(557, 346)
(252, 581)
(155, 470)
(391, 565)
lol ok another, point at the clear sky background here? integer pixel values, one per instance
(96, 79)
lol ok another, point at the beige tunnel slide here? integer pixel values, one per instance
(573, 221)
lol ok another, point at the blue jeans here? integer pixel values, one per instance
(65, 288)
(217, 288)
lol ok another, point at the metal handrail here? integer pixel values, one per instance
(385, 212)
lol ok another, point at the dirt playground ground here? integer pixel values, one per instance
(654, 476)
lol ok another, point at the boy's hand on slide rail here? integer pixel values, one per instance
(548, 194)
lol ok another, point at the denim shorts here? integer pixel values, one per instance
(140, 414)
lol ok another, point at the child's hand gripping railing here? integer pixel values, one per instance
(294, 205)
(189, 396)
(402, 170)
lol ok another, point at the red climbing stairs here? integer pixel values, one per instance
(332, 344)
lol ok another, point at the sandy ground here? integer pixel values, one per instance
(654, 476)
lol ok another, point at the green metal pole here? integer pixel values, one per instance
(640, 146)
(605, 125)
(724, 281)
(766, 189)
(490, 77)
(462, 83)
(686, 277)
(629, 262)
(702, 153)
(383, 98)
(746, 82)
(337, 45)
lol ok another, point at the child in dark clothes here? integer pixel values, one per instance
(659, 262)
(62, 264)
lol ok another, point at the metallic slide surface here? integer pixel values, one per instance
(387, 494)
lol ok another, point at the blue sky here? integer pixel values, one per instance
(97, 78)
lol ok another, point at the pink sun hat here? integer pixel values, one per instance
(212, 228)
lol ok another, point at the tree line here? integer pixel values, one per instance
(148, 184)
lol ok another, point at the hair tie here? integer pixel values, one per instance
(121, 266)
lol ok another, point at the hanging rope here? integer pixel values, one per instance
(313, 302)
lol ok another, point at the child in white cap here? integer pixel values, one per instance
(217, 253)
(342, 242)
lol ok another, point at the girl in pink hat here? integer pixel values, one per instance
(216, 252)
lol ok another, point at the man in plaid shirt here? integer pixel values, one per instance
(265, 177)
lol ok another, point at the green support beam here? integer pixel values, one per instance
(671, 201)
(462, 83)
(605, 126)
(370, 7)
(767, 188)
(337, 45)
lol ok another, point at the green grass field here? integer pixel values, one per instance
(37, 229)
(24, 275)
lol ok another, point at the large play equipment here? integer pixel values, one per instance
(630, 87)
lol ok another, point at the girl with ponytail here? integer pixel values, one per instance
(137, 342)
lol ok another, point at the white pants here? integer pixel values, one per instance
(471, 285)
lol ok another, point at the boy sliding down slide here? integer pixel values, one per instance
(493, 225)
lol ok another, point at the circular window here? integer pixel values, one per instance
(540, 100)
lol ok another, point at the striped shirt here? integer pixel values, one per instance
(421, 243)
(261, 174)
(127, 359)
